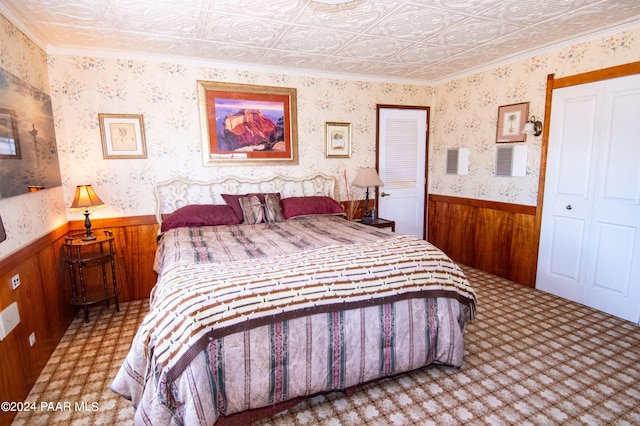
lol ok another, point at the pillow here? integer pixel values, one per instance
(252, 211)
(273, 208)
(201, 215)
(232, 200)
(306, 206)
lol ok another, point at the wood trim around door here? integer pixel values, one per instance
(557, 83)
(426, 155)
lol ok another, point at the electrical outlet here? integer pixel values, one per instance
(32, 339)
(15, 281)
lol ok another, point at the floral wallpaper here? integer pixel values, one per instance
(166, 94)
(463, 114)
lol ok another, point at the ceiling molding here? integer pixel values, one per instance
(11, 17)
(240, 66)
(521, 56)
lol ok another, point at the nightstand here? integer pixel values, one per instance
(379, 223)
(83, 254)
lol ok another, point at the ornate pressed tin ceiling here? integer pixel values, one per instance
(419, 40)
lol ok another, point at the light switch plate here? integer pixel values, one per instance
(9, 318)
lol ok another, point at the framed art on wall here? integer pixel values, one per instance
(511, 121)
(28, 148)
(9, 139)
(248, 124)
(122, 136)
(338, 140)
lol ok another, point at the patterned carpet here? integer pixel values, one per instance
(531, 359)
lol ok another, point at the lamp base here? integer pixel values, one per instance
(87, 226)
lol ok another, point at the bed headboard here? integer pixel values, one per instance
(179, 192)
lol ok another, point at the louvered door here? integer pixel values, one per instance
(402, 151)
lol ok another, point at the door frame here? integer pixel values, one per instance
(426, 155)
(558, 83)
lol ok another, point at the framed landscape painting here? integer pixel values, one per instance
(248, 124)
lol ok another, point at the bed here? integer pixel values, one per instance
(267, 295)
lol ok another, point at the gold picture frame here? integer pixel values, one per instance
(122, 136)
(511, 121)
(248, 124)
(337, 140)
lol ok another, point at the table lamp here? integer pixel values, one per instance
(85, 199)
(366, 178)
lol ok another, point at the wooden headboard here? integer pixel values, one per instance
(179, 192)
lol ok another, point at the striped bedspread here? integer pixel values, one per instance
(218, 284)
(209, 244)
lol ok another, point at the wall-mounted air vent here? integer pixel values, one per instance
(458, 161)
(511, 160)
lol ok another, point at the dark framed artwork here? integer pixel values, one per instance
(248, 124)
(9, 137)
(511, 121)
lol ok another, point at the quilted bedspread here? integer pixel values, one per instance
(249, 316)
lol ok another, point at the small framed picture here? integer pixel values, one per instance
(338, 140)
(511, 121)
(122, 136)
(9, 141)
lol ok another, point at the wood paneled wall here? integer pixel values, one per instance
(135, 239)
(44, 293)
(44, 310)
(499, 238)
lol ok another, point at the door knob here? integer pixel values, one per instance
(569, 207)
(384, 194)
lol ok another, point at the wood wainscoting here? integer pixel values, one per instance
(43, 306)
(499, 238)
(135, 239)
(44, 293)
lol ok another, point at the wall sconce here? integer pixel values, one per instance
(533, 127)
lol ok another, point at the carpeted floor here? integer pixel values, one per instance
(531, 358)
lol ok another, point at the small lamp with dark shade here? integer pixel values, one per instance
(367, 177)
(85, 199)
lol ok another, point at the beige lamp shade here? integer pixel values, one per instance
(367, 177)
(85, 198)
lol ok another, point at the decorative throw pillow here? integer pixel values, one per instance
(232, 200)
(201, 215)
(307, 206)
(272, 208)
(251, 209)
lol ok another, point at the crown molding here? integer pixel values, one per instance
(19, 23)
(632, 24)
(239, 66)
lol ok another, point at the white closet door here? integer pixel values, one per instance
(590, 237)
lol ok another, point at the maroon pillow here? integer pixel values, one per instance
(201, 215)
(233, 201)
(306, 206)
